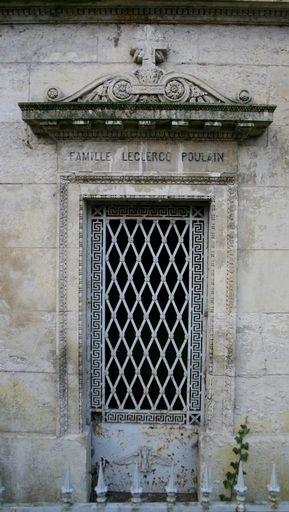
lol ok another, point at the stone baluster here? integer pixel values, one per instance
(67, 489)
(240, 489)
(273, 489)
(136, 489)
(101, 488)
(206, 489)
(171, 488)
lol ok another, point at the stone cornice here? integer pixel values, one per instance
(158, 11)
(147, 103)
(139, 121)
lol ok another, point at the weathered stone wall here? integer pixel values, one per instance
(230, 58)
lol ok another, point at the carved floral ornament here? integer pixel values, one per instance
(147, 103)
(148, 86)
(173, 88)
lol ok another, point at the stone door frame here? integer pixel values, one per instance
(221, 194)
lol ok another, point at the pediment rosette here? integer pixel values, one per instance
(148, 86)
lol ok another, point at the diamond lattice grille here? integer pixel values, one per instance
(147, 305)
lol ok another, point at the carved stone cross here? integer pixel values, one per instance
(151, 53)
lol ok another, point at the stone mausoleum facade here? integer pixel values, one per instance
(144, 244)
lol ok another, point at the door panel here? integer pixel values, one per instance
(154, 448)
(146, 321)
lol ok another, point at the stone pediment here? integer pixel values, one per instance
(147, 103)
(148, 86)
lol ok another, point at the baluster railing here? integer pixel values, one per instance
(2, 491)
(273, 489)
(136, 489)
(240, 489)
(206, 489)
(101, 487)
(171, 488)
(67, 489)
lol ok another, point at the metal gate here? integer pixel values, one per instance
(147, 287)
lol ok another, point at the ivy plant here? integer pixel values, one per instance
(241, 450)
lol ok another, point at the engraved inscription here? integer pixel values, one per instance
(90, 156)
(148, 157)
(145, 156)
(194, 156)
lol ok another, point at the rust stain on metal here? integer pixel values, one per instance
(98, 430)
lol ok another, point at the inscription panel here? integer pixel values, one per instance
(148, 158)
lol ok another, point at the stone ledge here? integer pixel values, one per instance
(138, 121)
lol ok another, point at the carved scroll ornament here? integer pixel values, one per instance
(148, 86)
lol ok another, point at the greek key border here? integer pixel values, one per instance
(149, 417)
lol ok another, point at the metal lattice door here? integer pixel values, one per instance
(146, 320)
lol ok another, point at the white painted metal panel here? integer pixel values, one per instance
(147, 296)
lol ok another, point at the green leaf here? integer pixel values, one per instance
(241, 450)
(222, 497)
